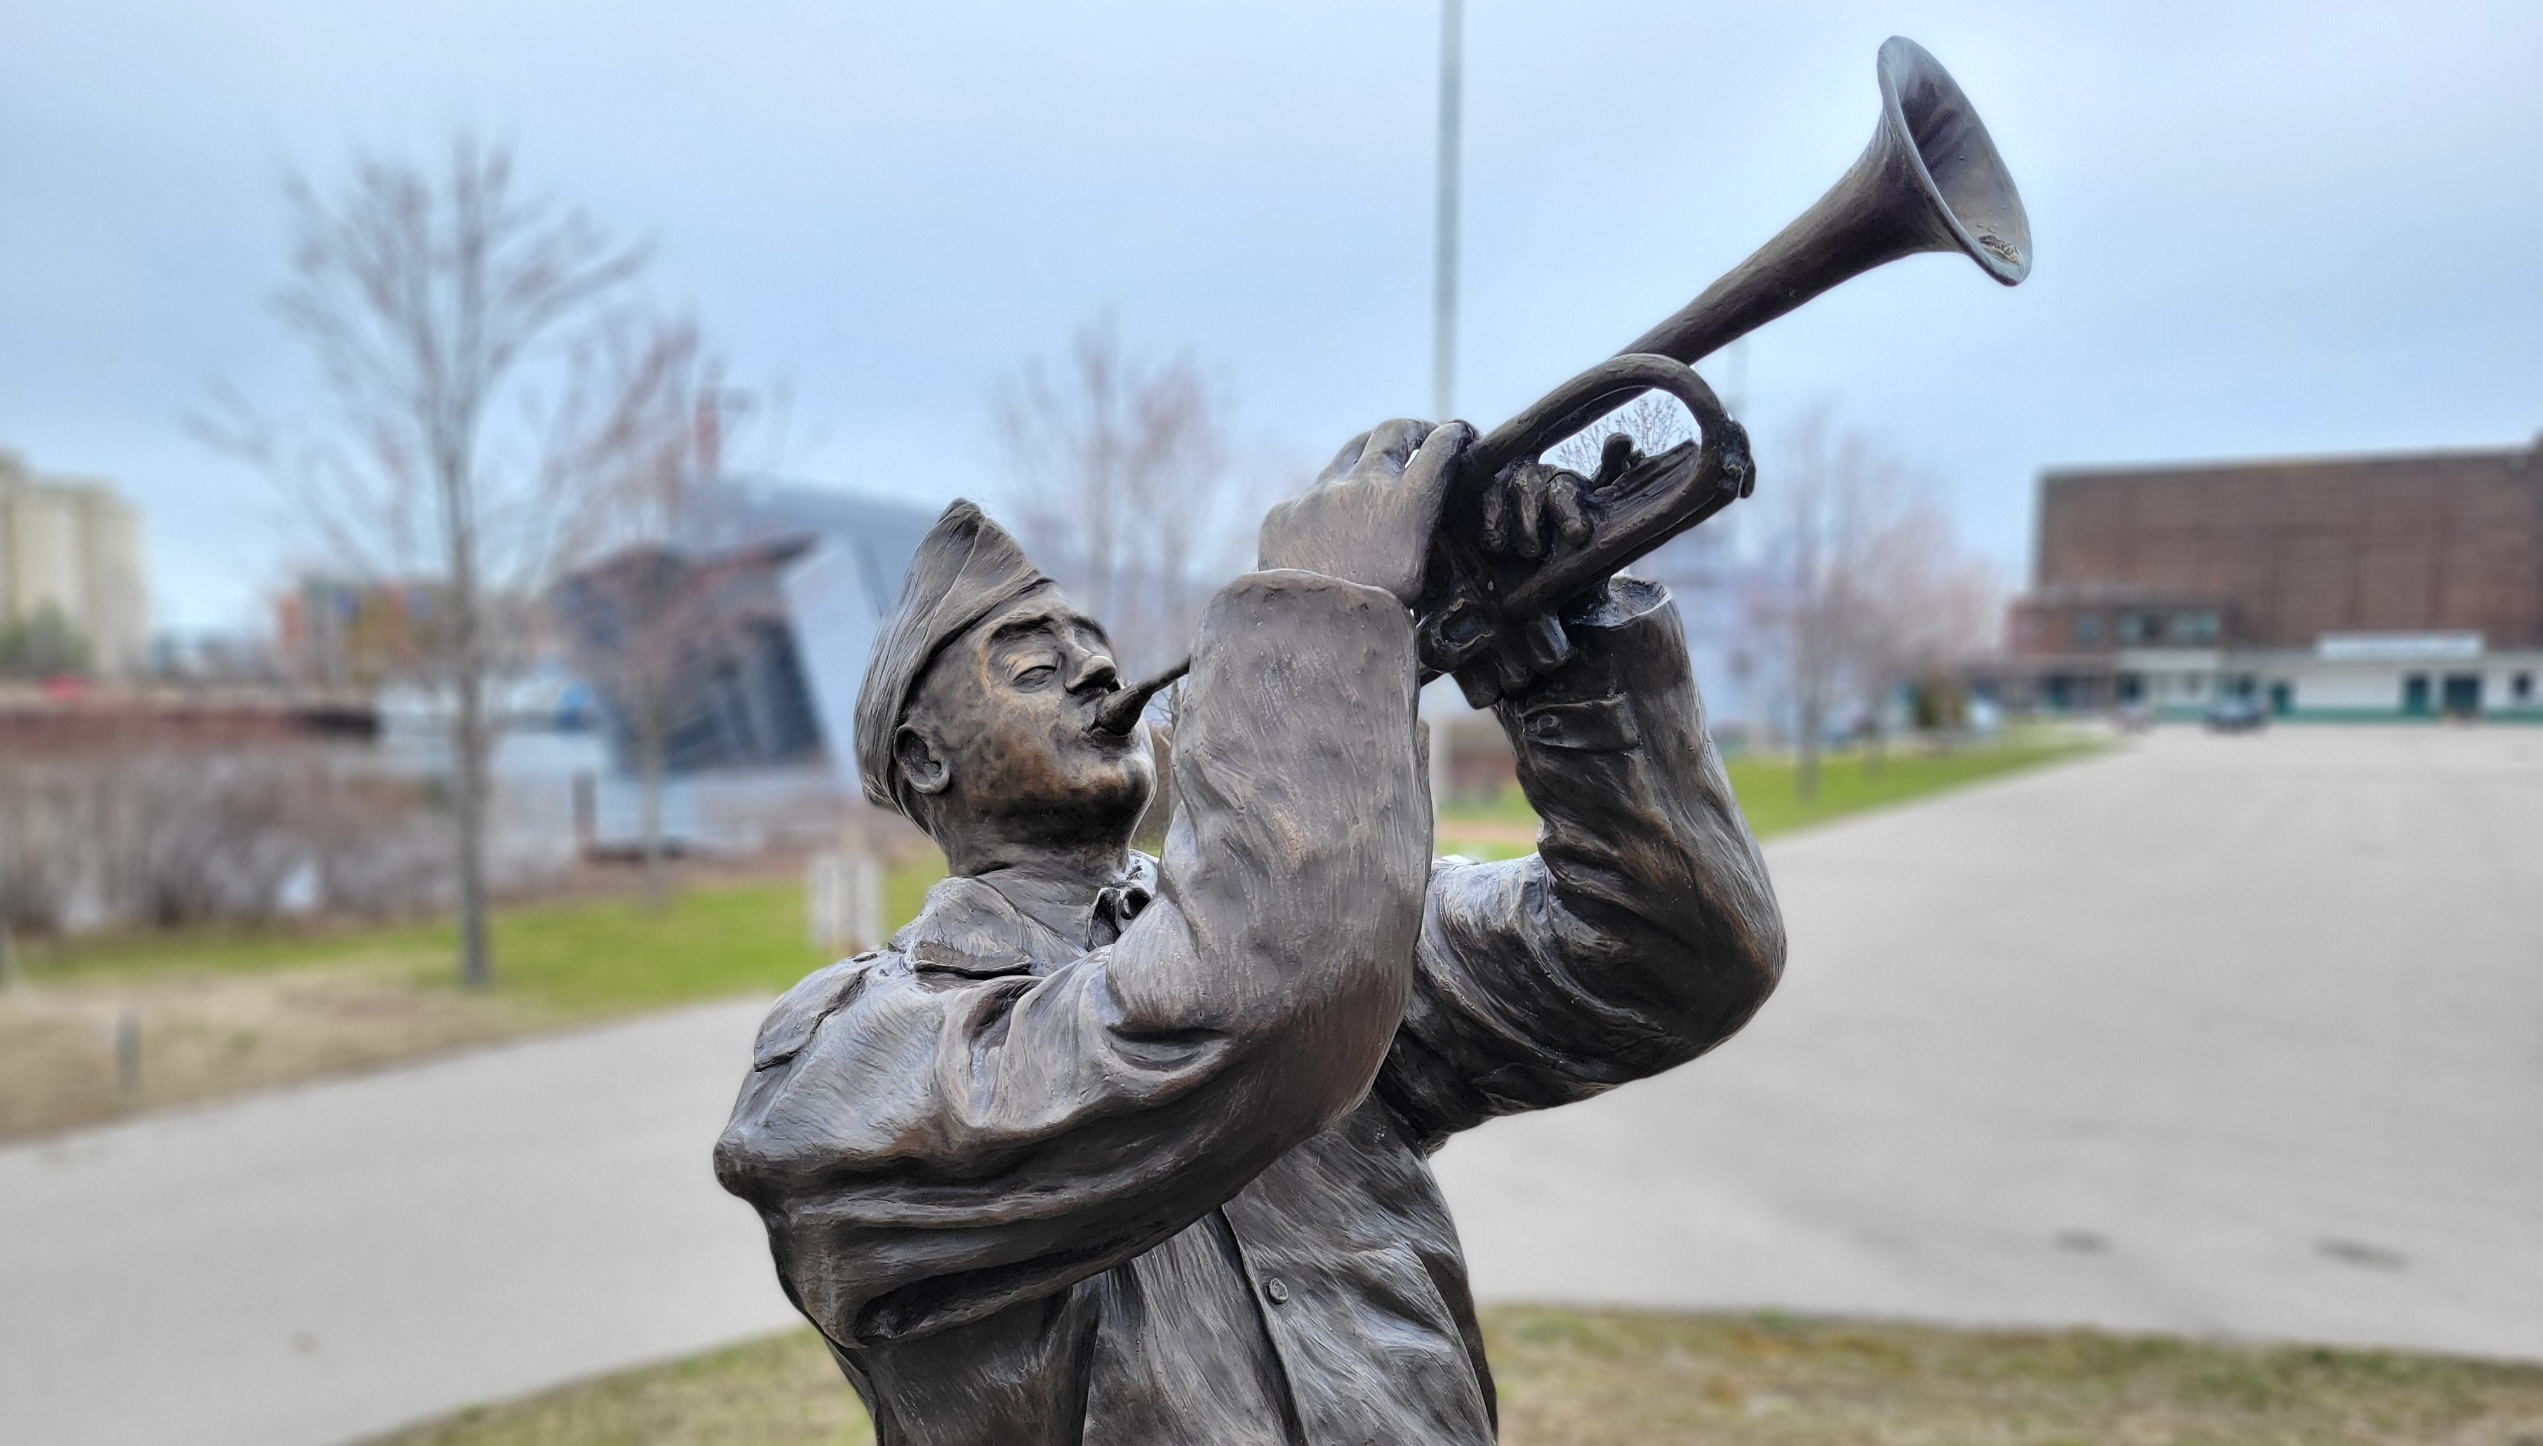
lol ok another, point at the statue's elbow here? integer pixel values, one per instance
(1731, 975)
(1761, 966)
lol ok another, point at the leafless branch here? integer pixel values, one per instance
(1127, 486)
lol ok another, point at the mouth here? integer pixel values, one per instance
(1118, 714)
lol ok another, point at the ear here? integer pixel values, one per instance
(923, 768)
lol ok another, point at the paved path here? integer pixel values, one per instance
(310, 1266)
(2233, 1035)
(2216, 1035)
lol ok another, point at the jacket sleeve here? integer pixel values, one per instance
(1642, 932)
(926, 1148)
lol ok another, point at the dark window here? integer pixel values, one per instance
(2135, 628)
(2463, 694)
(2415, 693)
(2282, 697)
(2088, 630)
(2193, 629)
(2521, 687)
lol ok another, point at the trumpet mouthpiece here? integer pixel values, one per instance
(1120, 712)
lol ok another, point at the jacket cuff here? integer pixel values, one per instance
(1615, 633)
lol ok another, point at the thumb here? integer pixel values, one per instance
(1434, 470)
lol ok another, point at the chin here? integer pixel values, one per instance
(1123, 796)
(1105, 799)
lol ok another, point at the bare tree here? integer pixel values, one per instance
(647, 616)
(437, 301)
(1859, 576)
(1127, 486)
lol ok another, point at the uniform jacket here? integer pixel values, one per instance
(1150, 1167)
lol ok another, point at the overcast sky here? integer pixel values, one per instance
(2259, 229)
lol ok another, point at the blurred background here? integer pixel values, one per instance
(453, 460)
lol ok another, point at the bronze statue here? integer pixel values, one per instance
(1116, 1150)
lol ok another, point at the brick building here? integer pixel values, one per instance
(2366, 587)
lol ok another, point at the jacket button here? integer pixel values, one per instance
(1277, 1289)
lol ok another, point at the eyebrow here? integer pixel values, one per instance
(1046, 623)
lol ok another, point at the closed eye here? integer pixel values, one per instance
(1036, 676)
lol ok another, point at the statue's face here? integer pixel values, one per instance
(1005, 708)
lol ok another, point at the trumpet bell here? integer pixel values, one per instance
(1931, 180)
(1929, 127)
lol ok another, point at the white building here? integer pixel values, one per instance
(72, 548)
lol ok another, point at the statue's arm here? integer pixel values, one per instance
(938, 1148)
(1642, 932)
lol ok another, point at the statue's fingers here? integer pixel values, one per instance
(1496, 519)
(1563, 496)
(1344, 460)
(1393, 444)
(1435, 464)
(1616, 458)
(1530, 505)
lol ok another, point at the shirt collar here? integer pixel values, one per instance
(1007, 923)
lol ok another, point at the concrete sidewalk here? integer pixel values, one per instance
(306, 1267)
(2237, 1035)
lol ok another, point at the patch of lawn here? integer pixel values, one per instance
(1607, 1378)
(779, 1391)
(593, 958)
(587, 956)
(1769, 786)
(1769, 789)
(215, 1013)
(127, 955)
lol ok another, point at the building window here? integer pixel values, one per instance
(2088, 630)
(2132, 629)
(2462, 695)
(2415, 694)
(2194, 630)
(2521, 687)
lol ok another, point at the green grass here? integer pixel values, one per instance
(1769, 788)
(1770, 793)
(142, 953)
(1607, 1378)
(580, 958)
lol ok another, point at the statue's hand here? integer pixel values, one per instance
(1370, 517)
(1531, 504)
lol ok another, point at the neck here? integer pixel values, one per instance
(1073, 868)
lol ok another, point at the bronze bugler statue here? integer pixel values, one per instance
(1117, 1150)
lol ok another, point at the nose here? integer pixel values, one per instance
(1090, 669)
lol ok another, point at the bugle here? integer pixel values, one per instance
(1931, 180)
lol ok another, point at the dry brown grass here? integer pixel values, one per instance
(203, 1036)
(779, 1391)
(1608, 1378)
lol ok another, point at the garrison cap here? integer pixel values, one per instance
(966, 568)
